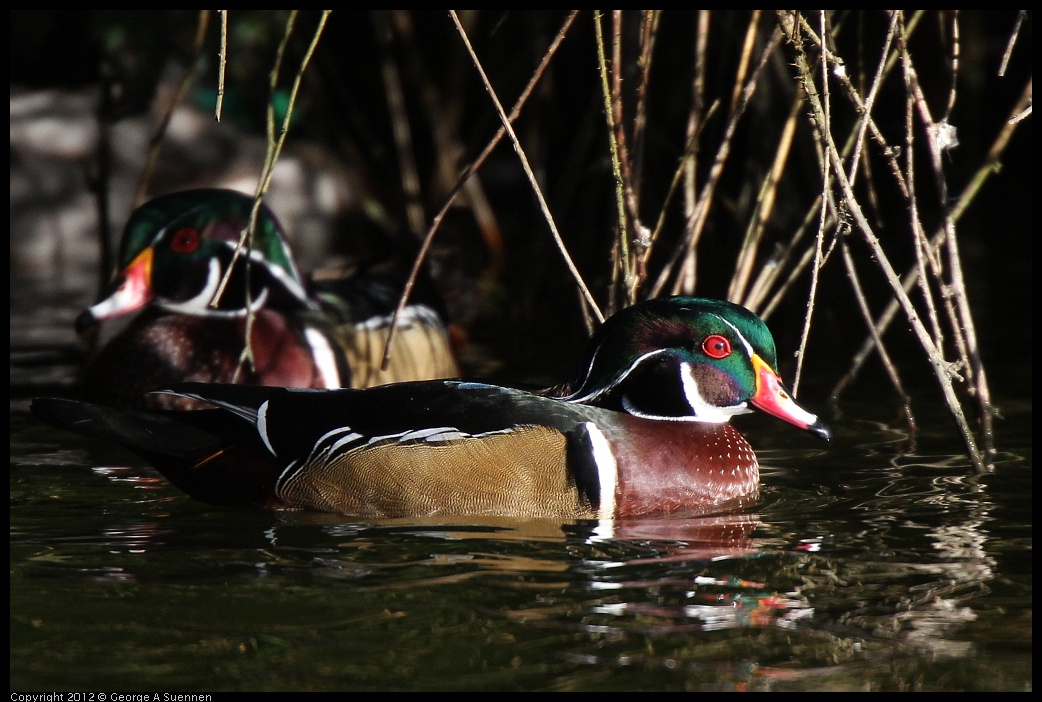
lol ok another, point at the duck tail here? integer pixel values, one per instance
(212, 455)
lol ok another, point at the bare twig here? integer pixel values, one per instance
(612, 97)
(528, 171)
(745, 86)
(764, 206)
(990, 166)
(271, 157)
(465, 178)
(649, 33)
(859, 295)
(941, 137)
(1012, 41)
(444, 122)
(942, 369)
(399, 124)
(827, 201)
(156, 142)
(222, 65)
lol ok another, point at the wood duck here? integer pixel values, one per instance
(175, 251)
(642, 429)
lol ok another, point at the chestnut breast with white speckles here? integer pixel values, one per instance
(665, 466)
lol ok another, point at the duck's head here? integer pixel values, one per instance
(177, 248)
(687, 359)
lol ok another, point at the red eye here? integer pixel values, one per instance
(716, 346)
(185, 241)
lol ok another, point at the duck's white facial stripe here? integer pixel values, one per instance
(200, 304)
(622, 376)
(701, 410)
(288, 281)
(589, 369)
(627, 404)
(745, 342)
(704, 411)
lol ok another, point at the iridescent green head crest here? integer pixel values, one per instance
(218, 215)
(678, 326)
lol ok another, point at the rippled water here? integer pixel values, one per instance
(875, 563)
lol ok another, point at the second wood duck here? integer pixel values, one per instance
(174, 253)
(642, 429)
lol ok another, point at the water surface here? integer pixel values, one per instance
(877, 562)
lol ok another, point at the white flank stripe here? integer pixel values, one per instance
(607, 470)
(262, 425)
(412, 314)
(325, 359)
(434, 434)
(331, 433)
(349, 439)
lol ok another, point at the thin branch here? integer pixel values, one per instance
(528, 171)
(612, 97)
(465, 178)
(156, 142)
(400, 128)
(827, 201)
(942, 369)
(888, 364)
(1021, 14)
(744, 89)
(941, 137)
(222, 65)
(764, 207)
(271, 157)
(649, 33)
(990, 166)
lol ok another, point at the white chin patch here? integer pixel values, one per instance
(702, 411)
(200, 304)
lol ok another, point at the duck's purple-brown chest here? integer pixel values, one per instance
(664, 467)
(159, 349)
